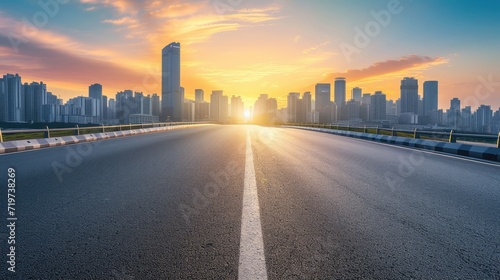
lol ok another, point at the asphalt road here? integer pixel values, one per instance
(170, 206)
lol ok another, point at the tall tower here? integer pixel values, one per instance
(13, 97)
(357, 94)
(199, 95)
(409, 95)
(430, 97)
(171, 103)
(323, 102)
(292, 100)
(95, 91)
(340, 88)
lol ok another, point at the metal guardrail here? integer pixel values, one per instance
(450, 136)
(91, 129)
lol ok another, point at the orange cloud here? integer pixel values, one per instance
(404, 64)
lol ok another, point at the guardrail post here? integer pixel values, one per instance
(415, 134)
(452, 138)
(376, 130)
(348, 127)
(365, 130)
(498, 139)
(103, 129)
(1, 136)
(130, 125)
(77, 130)
(337, 126)
(393, 133)
(47, 133)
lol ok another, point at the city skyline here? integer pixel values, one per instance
(253, 48)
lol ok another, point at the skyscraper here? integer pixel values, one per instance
(340, 99)
(171, 102)
(357, 93)
(155, 104)
(292, 104)
(219, 105)
(340, 91)
(95, 91)
(199, 95)
(14, 100)
(484, 115)
(323, 102)
(237, 109)
(307, 100)
(378, 106)
(3, 102)
(409, 95)
(35, 96)
(430, 97)
(454, 113)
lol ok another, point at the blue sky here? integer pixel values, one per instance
(252, 47)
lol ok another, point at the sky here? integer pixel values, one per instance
(248, 48)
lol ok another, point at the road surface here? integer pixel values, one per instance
(229, 202)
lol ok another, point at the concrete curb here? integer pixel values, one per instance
(481, 152)
(24, 145)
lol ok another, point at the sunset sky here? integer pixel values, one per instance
(252, 47)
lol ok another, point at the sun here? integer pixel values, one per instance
(247, 114)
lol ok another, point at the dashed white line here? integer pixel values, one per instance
(252, 263)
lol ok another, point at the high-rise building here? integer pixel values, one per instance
(378, 107)
(112, 109)
(124, 105)
(3, 102)
(237, 109)
(307, 103)
(340, 99)
(352, 110)
(357, 94)
(199, 95)
(95, 91)
(322, 96)
(104, 109)
(189, 110)
(340, 91)
(219, 106)
(155, 105)
(409, 95)
(454, 113)
(292, 106)
(14, 99)
(483, 119)
(35, 96)
(430, 97)
(172, 101)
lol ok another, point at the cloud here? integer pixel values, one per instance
(297, 38)
(176, 10)
(187, 22)
(131, 22)
(64, 65)
(393, 66)
(316, 48)
(123, 6)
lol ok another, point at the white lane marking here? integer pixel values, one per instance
(252, 263)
